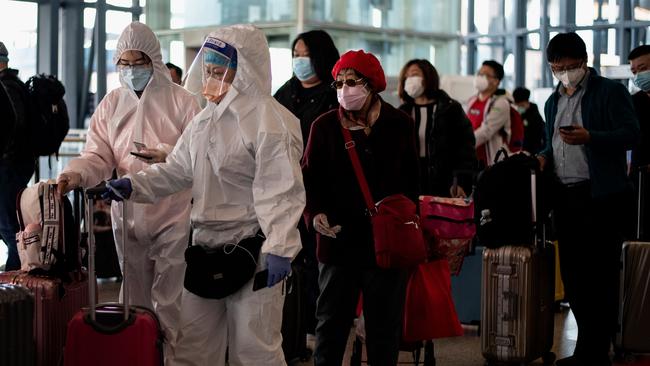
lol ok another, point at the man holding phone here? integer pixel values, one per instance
(145, 116)
(590, 123)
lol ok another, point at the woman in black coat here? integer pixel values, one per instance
(308, 93)
(445, 139)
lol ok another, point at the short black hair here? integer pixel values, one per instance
(521, 94)
(566, 45)
(178, 70)
(496, 67)
(639, 51)
(323, 54)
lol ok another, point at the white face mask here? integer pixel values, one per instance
(481, 83)
(570, 78)
(413, 86)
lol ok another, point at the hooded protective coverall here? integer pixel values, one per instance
(241, 158)
(157, 234)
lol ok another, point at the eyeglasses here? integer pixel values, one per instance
(139, 62)
(559, 68)
(338, 84)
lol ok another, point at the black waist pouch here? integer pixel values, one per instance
(214, 273)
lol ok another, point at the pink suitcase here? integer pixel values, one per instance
(112, 334)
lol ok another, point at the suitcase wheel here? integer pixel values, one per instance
(548, 358)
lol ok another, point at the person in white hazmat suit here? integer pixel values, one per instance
(241, 157)
(147, 109)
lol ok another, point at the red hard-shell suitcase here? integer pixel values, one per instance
(633, 334)
(517, 294)
(109, 334)
(55, 303)
(16, 326)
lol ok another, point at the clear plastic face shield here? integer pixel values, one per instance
(212, 71)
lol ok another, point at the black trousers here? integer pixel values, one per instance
(383, 306)
(590, 234)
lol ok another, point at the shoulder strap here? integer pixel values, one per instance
(19, 211)
(350, 146)
(51, 212)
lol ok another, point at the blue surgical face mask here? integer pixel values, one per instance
(642, 80)
(136, 77)
(303, 68)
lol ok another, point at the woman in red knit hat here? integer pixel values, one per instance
(384, 139)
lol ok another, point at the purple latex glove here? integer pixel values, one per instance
(118, 189)
(279, 268)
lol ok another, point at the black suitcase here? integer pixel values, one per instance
(17, 346)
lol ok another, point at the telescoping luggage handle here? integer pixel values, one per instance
(640, 212)
(92, 194)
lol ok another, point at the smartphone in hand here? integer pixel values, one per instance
(567, 128)
(261, 279)
(142, 156)
(139, 145)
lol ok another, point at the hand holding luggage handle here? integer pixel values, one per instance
(91, 195)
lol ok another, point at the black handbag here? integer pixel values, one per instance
(214, 273)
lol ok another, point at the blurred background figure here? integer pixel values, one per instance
(175, 72)
(534, 135)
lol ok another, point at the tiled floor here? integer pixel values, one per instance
(460, 351)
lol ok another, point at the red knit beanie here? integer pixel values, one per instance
(364, 63)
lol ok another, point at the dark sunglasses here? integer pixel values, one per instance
(338, 84)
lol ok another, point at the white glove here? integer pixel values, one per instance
(323, 227)
(68, 181)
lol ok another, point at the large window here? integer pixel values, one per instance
(521, 46)
(18, 33)
(199, 13)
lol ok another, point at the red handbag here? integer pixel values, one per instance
(399, 242)
(448, 225)
(429, 310)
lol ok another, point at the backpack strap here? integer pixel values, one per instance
(19, 211)
(52, 231)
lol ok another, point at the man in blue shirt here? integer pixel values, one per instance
(590, 124)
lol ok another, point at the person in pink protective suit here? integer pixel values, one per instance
(148, 109)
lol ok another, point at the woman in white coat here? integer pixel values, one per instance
(241, 157)
(148, 109)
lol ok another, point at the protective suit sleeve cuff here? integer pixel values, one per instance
(287, 248)
(167, 148)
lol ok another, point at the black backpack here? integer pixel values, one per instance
(48, 121)
(503, 204)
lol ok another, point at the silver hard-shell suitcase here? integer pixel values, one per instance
(633, 334)
(517, 293)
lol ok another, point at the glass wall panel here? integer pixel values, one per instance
(642, 11)
(488, 16)
(18, 33)
(554, 12)
(533, 14)
(419, 15)
(197, 13)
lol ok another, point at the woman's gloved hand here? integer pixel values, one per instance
(279, 268)
(118, 189)
(157, 156)
(68, 181)
(322, 226)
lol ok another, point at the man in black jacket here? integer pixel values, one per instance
(640, 66)
(534, 135)
(16, 159)
(590, 124)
